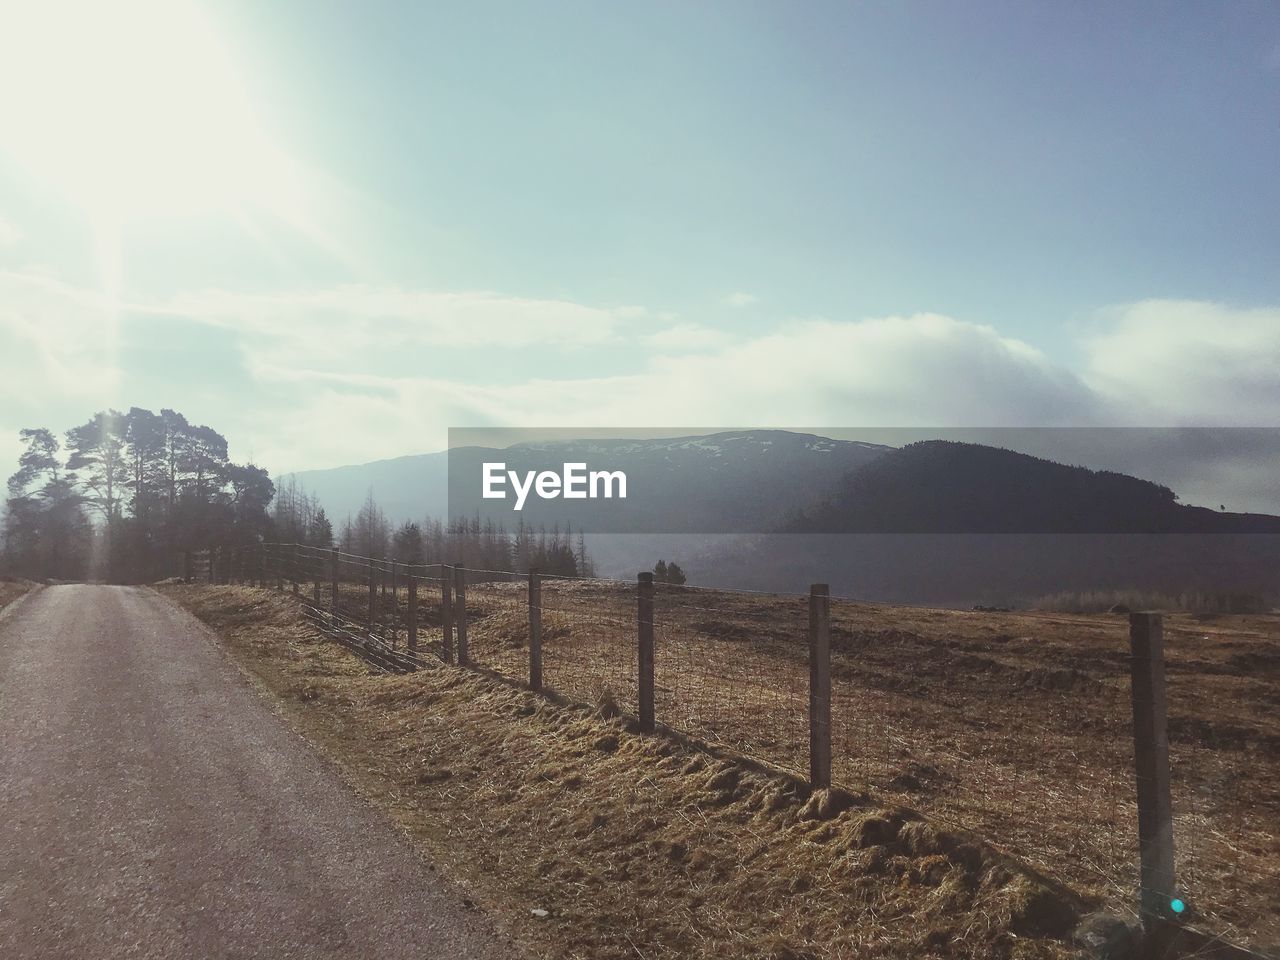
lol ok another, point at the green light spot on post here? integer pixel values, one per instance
(1177, 905)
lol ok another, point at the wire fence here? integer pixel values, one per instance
(1022, 729)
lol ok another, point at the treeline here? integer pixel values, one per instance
(123, 495)
(299, 518)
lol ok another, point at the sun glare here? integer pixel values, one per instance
(136, 109)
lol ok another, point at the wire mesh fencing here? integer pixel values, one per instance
(1020, 728)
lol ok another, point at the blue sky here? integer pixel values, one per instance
(333, 230)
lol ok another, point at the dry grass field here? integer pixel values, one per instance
(634, 846)
(1014, 726)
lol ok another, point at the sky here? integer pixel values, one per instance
(334, 230)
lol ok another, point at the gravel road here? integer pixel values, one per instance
(152, 805)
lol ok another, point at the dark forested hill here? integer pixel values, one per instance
(939, 486)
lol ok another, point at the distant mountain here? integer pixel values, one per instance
(932, 522)
(958, 524)
(724, 482)
(940, 486)
(405, 488)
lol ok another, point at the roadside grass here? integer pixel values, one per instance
(11, 590)
(647, 847)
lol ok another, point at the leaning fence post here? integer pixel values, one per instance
(644, 625)
(535, 631)
(460, 611)
(1151, 760)
(412, 584)
(446, 612)
(819, 686)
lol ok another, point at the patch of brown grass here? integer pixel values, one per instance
(11, 590)
(635, 846)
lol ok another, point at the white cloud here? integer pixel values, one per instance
(9, 234)
(58, 339)
(924, 370)
(57, 363)
(360, 315)
(740, 299)
(686, 338)
(1183, 362)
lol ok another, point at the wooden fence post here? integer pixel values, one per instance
(294, 572)
(278, 563)
(535, 631)
(819, 686)
(188, 568)
(644, 629)
(262, 565)
(446, 613)
(317, 574)
(413, 612)
(373, 598)
(395, 605)
(1158, 902)
(333, 582)
(460, 611)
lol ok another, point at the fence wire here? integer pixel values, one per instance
(1015, 727)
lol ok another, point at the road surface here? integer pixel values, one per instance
(152, 805)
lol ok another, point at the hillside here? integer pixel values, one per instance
(957, 524)
(940, 486)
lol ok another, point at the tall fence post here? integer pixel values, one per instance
(644, 628)
(535, 631)
(188, 568)
(460, 612)
(294, 572)
(1151, 759)
(819, 686)
(262, 565)
(446, 613)
(278, 562)
(412, 586)
(333, 582)
(395, 603)
(317, 574)
(373, 598)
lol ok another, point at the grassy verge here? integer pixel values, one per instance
(11, 590)
(633, 847)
